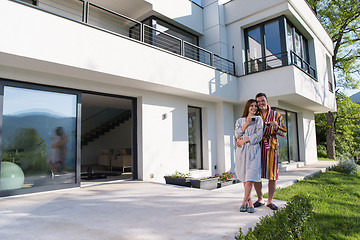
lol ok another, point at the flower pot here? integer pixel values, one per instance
(224, 184)
(178, 181)
(208, 184)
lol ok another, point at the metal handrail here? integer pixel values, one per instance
(230, 69)
(159, 38)
(303, 62)
(141, 37)
(198, 54)
(112, 12)
(262, 63)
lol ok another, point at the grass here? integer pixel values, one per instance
(335, 197)
(326, 159)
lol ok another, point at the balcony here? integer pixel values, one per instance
(105, 19)
(280, 60)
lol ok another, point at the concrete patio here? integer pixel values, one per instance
(136, 210)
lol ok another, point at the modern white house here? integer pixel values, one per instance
(139, 89)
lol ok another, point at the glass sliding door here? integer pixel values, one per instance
(292, 136)
(283, 141)
(195, 138)
(288, 145)
(38, 140)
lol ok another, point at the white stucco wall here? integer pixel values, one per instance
(165, 141)
(183, 11)
(48, 41)
(225, 137)
(308, 138)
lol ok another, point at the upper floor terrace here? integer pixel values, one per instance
(47, 48)
(105, 15)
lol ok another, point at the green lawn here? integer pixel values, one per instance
(325, 159)
(336, 200)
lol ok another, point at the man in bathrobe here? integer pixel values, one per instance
(274, 126)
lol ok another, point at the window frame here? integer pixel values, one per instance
(200, 140)
(286, 55)
(31, 86)
(287, 135)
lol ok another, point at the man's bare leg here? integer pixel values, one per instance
(271, 188)
(259, 193)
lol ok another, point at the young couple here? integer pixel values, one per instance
(257, 153)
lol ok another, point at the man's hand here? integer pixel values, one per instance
(238, 142)
(275, 125)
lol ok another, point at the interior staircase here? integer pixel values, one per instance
(105, 127)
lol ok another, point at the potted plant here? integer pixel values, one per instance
(178, 178)
(225, 179)
(208, 183)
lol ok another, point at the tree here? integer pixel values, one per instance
(28, 150)
(341, 19)
(346, 127)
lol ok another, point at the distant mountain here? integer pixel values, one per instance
(355, 97)
(38, 111)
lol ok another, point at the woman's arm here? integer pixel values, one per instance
(258, 134)
(238, 129)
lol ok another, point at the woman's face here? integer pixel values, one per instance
(253, 108)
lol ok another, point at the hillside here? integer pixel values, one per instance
(355, 97)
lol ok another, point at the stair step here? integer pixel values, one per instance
(106, 127)
(283, 167)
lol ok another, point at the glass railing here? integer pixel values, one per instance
(279, 60)
(106, 19)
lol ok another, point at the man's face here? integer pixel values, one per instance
(262, 103)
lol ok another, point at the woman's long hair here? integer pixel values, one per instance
(247, 106)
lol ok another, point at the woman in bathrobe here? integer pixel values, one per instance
(248, 134)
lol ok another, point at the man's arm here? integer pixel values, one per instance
(281, 128)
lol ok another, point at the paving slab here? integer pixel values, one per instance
(136, 210)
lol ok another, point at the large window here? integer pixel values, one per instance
(38, 139)
(195, 138)
(297, 46)
(329, 74)
(265, 46)
(168, 28)
(276, 43)
(288, 145)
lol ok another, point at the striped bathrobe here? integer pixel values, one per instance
(270, 145)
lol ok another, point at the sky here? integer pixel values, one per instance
(350, 92)
(20, 100)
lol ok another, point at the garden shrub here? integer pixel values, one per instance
(178, 174)
(295, 221)
(347, 166)
(321, 151)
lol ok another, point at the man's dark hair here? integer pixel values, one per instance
(261, 95)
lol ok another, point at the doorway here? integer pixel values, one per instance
(108, 144)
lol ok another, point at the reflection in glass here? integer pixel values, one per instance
(298, 50)
(255, 50)
(289, 42)
(195, 141)
(283, 148)
(292, 136)
(272, 45)
(39, 127)
(288, 145)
